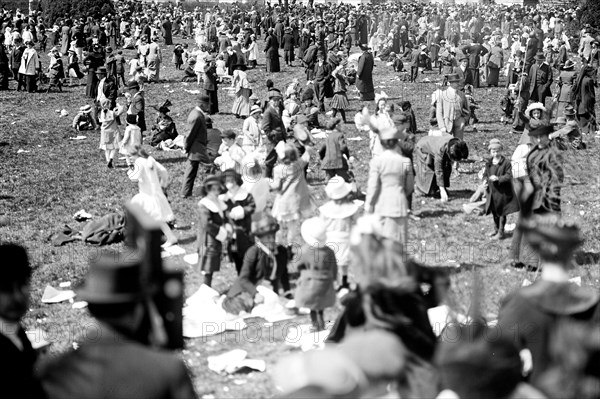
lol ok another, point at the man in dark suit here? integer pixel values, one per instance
(18, 357)
(136, 104)
(195, 146)
(274, 129)
(113, 361)
(322, 73)
(464, 73)
(531, 50)
(540, 79)
(475, 51)
(364, 74)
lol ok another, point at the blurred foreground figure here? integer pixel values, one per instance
(474, 362)
(530, 315)
(18, 357)
(113, 363)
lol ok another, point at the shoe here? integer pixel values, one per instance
(412, 216)
(498, 236)
(110, 164)
(517, 264)
(493, 233)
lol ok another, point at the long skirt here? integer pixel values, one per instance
(339, 101)
(241, 105)
(476, 77)
(209, 257)
(213, 102)
(395, 228)
(273, 64)
(91, 88)
(109, 139)
(153, 71)
(493, 76)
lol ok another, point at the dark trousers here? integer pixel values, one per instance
(270, 162)
(320, 95)
(499, 222)
(288, 56)
(414, 73)
(190, 176)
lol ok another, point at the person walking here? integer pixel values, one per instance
(195, 146)
(364, 81)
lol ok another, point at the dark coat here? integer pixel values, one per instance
(195, 141)
(318, 273)
(17, 369)
(271, 120)
(112, 366)
(529, 315)
(466, 77)
(258, 266)
(272, 54)
(332, 151)
(432, 163)
(501, 199)
(288, 42)
(364, 81)
(242, 227)
(209, 223)
(210, 71)
(545, 74)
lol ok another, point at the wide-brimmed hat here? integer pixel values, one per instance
(274, 93)
(452, 77)
(314, 231)
(337, 188)
(551, 236)
(302, 134)
(255, 109)
(364, 47)
(263, 224)
(234, 174)
(569, 65)
(113, 278)
(463, 58)
(163, 108)
(569, 111)
(86, 109)
(204, 99)
(533, 106)
(212, 180)
(540, 57)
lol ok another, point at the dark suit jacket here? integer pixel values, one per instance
(195, 142)
(545, 71)
(466, 77)
(115, 367)
(16, 369)
(210, 72)
(271, 120)
(364, 83)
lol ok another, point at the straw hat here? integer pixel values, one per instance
(314, 231)
(337, 188)
(254, 110)
(533, 106)
(86, 109)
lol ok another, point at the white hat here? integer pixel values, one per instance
(314, 231)
(337, 188)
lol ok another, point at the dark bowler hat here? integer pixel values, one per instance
(540, 57)
(204, 99)
(569, 111)
(569, 65)
(112, 278)
(212, 180)
(101, 71)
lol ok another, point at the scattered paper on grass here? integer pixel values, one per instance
(65, 284)
(21, 151)
(52, 295)
(80, 305)
(234, 361)
(36, 337)
(191, 259)
(301, 336)
(81, 215)
(192, 91)
(78, 138)
(320, 135)
(510, 227)
(354, 138)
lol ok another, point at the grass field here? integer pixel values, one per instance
(42, 188)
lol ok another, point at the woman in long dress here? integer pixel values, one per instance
(251, 53)
(272, 52)
(241, 105)
(584, 92)
(152, 179)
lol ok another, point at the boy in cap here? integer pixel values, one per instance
(84, 120)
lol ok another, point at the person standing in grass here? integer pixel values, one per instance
(131, 138)
(211, 228)
(501, 200)
(318, 272)
(30, 66)
(109, 130)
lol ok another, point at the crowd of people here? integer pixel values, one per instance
(256, 204)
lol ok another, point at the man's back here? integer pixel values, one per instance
(114, 367)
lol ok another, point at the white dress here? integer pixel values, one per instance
(151, 177)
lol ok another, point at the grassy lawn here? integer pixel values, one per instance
(41, 189)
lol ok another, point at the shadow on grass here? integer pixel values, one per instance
(461, 194)
(173, 160)
(186, 240)
(435, 213)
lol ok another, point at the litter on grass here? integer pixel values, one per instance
(233, 361)
(52, 295)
